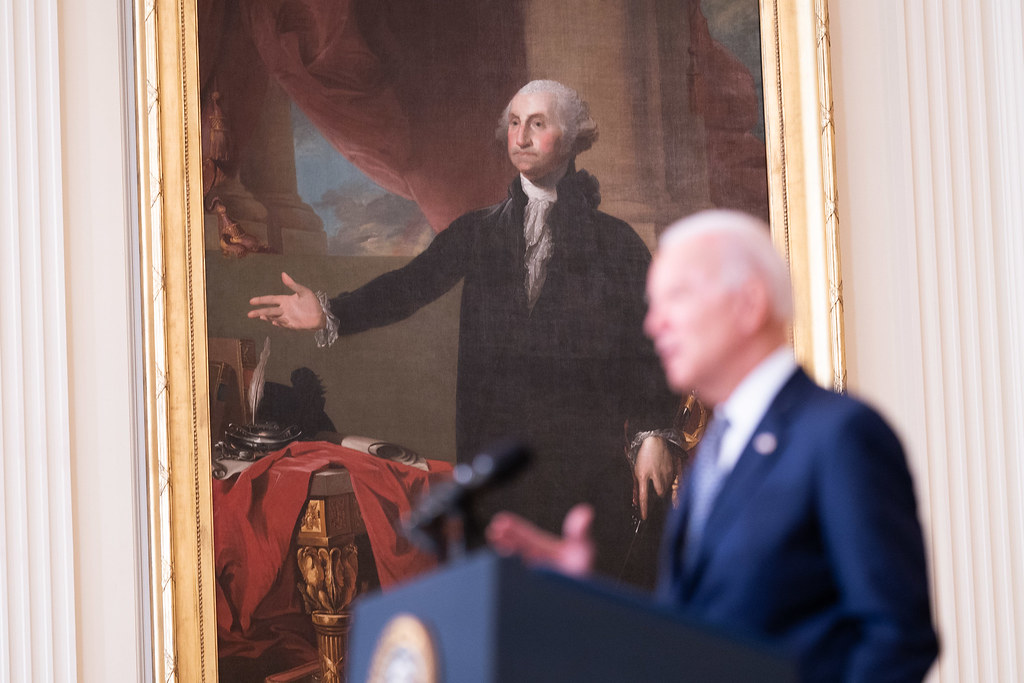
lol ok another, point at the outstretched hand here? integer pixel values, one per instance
(298, 311)
(572, 553)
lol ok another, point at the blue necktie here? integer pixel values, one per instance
(707, 480)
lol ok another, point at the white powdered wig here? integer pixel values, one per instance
(578, 127)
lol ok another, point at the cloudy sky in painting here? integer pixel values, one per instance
(360, 217)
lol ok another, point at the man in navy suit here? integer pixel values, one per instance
(797, 523)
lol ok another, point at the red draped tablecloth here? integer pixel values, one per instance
(255, 519)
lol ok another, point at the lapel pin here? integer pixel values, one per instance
(765, 443)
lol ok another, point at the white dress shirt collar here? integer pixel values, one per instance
(538, 192)
(749, 401)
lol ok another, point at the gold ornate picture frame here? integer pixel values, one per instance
(802, 188)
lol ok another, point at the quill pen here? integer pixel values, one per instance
(258, 380)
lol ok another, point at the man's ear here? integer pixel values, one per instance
(754, 305)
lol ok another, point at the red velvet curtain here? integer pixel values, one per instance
(406, 90)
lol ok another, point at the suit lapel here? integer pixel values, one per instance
(759, 456)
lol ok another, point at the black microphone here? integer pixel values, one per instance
(451, 499)
(492, 467)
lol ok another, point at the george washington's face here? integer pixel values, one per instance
(535, 137)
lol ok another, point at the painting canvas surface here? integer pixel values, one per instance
(342, 139)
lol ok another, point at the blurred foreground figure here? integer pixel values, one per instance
(797, 523)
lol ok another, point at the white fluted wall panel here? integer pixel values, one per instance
(72, 553)
(37, 615)
(111, 589)
(929, 98)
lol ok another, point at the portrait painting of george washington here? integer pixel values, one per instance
(435, 221)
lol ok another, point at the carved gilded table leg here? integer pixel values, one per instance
(328, 564)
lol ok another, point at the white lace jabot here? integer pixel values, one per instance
(538, 236)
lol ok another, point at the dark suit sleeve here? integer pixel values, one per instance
(647, 402)
(399, 293)
(871, 530)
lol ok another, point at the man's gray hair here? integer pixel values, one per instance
(578, 127)
(745, 251)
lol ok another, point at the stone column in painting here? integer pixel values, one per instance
(268, 171)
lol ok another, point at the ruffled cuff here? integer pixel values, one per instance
(328, 334)
(670, 436)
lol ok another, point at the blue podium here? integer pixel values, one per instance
(487, 619)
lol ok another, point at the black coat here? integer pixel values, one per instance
(565, 377)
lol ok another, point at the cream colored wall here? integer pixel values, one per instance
(69, 583)
(103, 345)
(928, 96)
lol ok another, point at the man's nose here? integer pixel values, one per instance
(523, 137)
